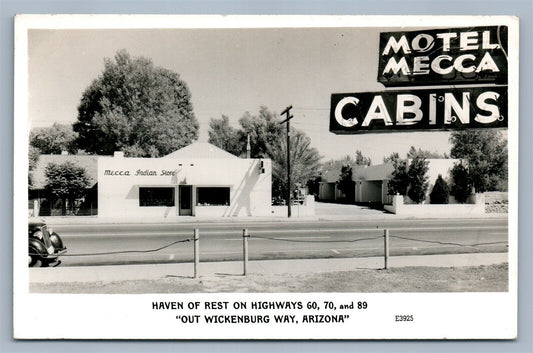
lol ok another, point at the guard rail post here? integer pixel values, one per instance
(245, 237)
(196, 251)
(386, 249)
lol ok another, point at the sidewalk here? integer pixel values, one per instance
(235, 268)
(59, 220)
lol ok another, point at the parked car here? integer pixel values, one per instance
(45, 245)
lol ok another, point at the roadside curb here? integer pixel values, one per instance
(60, 220)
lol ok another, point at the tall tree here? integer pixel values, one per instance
(399, 181)
(135, 107)
(66, 181)
(222, 135)
(53, 139)
(414, 152)
(337, 164)
(392, 158)
(485, 152)
(33, 158)
(264, 130)
(360, 159)
(305, 162)
(418, 179)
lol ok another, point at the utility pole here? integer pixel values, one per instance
(287, 120)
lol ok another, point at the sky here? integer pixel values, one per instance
(229, 71)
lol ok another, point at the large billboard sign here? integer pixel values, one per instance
(443, 56)
(428, 109)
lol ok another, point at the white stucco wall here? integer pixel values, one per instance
(476, 207)
(118, 195)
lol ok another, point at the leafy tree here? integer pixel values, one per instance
(264, 130)
(399, 181)
(33, 158)
(53, 139)
(392, 158)
(418, 179)
(135, 107)
(222, 135)
(305, 162)
(461, 184)
(485, 152)
(414, 152)
(361, 160)
(441, 192)
(337, 164)
(346, 184)
(66, 181)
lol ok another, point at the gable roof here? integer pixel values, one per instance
(88, 162)
(201, 150)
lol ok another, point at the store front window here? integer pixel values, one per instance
(156, 197)
(212, 196)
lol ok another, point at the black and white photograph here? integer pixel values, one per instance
(266, 177)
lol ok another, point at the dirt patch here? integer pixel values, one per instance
(493, 278)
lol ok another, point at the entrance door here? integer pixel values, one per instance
(185, 207)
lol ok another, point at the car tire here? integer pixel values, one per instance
(34, 260)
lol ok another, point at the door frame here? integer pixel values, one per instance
(181, 191)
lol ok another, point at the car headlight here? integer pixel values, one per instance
(50, 230)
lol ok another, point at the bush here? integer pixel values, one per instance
(462, 186)
(441, 192)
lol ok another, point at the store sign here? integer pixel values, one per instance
(443, 56)
(428, 109)
(139, 172)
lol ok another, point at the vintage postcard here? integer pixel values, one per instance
(265, 177)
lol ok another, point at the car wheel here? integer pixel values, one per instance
(34, 260)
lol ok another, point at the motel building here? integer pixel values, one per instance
(371, 187)
(198, 180)
(371, 182)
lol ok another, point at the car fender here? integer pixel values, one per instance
(38, 246)
(57, 242)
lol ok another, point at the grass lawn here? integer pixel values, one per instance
(493, 278)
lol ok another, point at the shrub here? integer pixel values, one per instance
(346, 184)
(461, 184)
(441, 192)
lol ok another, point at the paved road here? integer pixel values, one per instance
(122, 243)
